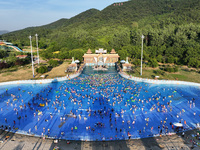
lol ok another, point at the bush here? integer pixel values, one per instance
(3, 53)
(3, 65)
(137, 62)
(159, 58)
(19, 62)
(42, 69)
(53, 63)
(153, 63)
(171, 69)
(176, 69)
(159, 72)
(170, 59)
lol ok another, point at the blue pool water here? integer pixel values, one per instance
(98, 106)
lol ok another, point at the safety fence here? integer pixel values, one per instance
(123, 74)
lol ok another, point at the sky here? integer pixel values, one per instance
(19, 14)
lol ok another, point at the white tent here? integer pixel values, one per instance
(77, 61)
(178, 124)
(42, 76)
(122, 61)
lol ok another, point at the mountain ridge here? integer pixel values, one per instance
(101, 26)
(4, 32)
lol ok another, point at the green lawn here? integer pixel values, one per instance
(182, 75)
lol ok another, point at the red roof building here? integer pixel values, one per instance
(22, 56)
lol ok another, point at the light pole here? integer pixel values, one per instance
(32, 56)
(36, 35)
(141, 53)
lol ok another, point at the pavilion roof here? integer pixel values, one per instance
(96, 55)
(89, 51)
(113, 51)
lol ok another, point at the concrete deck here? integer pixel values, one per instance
(23, 142)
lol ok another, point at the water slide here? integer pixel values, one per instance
(16, 48)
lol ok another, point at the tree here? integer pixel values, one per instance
(170, 59)
(197, 64)
(42, 44)
(53, 47)
(46, 54)
(3, 53)
(159, 58)
(153, 63)
(171, 30)
(134, 25)
(152, 51)
(53, 63)
(19, 62)
(11, 60)
(137, 62)
(77, 54)
(3, 65)
(135, 37)
(132, 51)
(123, 54)
(42, 69)
(120, 38)
(192, 62)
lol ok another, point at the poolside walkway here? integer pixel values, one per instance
(153, 81)
(23, 142)
(43, 81)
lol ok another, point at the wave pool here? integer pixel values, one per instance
(98, 105)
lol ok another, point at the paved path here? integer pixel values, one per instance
(23, 142)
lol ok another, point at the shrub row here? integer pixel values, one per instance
(171, 69)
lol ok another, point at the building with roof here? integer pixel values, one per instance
(126, 66)
(100, 58)
(2, 43)
(72, 67)
(22, 56)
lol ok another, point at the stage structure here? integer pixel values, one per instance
(100, 59)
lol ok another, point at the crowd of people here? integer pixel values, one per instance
(97, 107)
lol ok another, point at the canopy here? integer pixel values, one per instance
(122, 61)
(178, 124)
(77, 61)
(42, 76)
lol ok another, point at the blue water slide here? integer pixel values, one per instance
(18, 48)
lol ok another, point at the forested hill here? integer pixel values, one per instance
(78, 18)
(171, 28)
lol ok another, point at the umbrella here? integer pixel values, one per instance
(42, 76)
(77, 61)
(178, 124)
(122, 61)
